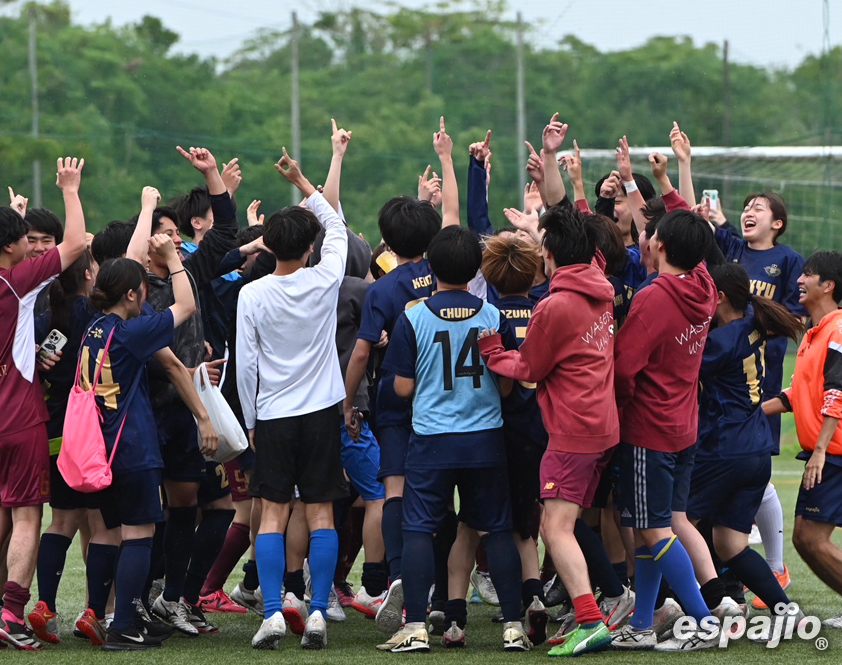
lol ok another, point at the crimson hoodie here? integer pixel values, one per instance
(569, 352)
(658, 355)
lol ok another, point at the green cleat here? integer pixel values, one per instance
(590, 637)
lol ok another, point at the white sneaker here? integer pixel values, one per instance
(485, 588)
(295, 613)
(389, 616)
(728, 608)
(616, 610)
(515, 638)
(413, 637)
(366, 604)
(833, 622)
(315, 632)
(665, 617)
(174, 612)
(633, 639)
(695, 642)
(334, 609)
(251, 600)
(271, 630)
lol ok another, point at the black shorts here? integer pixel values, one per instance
(215, 485)
(823, 503)
(302, 451)
(179, 440)
(609, 484)
(524, 463)
(134, 499)
(64, 497)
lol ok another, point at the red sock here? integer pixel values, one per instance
(235, 545)
(586, 609)
(15, 598)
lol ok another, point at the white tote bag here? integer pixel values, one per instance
(232, 439)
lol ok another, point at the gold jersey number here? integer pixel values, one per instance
(106, 388)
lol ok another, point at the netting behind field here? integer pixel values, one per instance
(809, 179)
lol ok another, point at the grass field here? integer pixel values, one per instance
(353, 642)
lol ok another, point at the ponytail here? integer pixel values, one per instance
(115, 279)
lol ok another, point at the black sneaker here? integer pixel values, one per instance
(197, 618)
(146, 624)
(129, 640)
(19, 636)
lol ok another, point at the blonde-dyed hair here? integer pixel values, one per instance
(509, 264)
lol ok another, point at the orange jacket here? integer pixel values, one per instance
(816, 389)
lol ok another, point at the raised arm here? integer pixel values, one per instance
(68, 179)
(552, 139)
(184, 305)
(205, 163)
(681, 147)
(535, 169)
(573, 166)
(139, 244)
(231, 176)
(635, 198)
(340, 140)
(478, 219)
(18, 202)
(443, 145)
(429, 189)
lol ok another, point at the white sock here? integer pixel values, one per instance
(770, 522)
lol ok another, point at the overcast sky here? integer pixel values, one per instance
(764, 32)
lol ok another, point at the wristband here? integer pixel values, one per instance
(178, 271)
(630, 187)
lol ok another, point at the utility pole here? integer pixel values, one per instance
(726, 121)
(295, 110)
(521, 107)
(33, 79)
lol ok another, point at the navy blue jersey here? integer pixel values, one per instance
(123, 390)
(634, 271)
(731, 422)
(535, 293)
(521, 413)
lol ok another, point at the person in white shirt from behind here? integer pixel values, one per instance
(289, 382)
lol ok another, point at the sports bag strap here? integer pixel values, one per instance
(104, 356)
(120, 431)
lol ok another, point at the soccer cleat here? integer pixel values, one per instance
(130, 640)
(146, 624)
(407, 639)
(155, 591)
(616, 610)
(44, 623)
(556, 594)
(389, 617)
(630, 638)
(833, 622)
(728, 608)
(315, 632)
(366, 604)
(251, 600)
(76, 632)
(568, 625)
(783, 579)
(536, 622)
(591, 637)
(197, 618)
(438, 623)
(345, 592)
(19, 635)
(696, 641)
(270, 631)
(772, 631)
(485, 587)
(174, 612)
(454, 637)
(218, 601)
(295, 613)
(515, 638)
(334, 608)
(91, 627)
(665, 617)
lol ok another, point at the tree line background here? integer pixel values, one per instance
(122, 98)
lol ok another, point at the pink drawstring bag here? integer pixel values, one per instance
(82, 458)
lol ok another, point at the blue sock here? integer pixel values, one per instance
(505, 569)
(420, 574)
(754, 572)
(675, 565)
(392, 527)
(132, 569)
(271, 563)
(51, 557)
(324, 551)
(100, 572)
(647, 580)
(179, 535)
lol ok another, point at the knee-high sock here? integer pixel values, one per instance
(179, 535)
(770, 523)
(156, 564)
(675, 565)
(392, 527)
(442, 542)
(647, 580)
(132, 569)
(757, 576)
(15, 598)
(210, 537)
(236, 544)
(505, 569)
(600, 570)
(100, 568)
(324, 550)
(271, 562)
(51, 557)
(419, 574)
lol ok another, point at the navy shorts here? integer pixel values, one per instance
(484, 503)
(524, 463)
(215, 484)
(823, 503)
(64, 497)
(394, 444)
(729, 492)
(609, 483)
(133, 499)
(653, 485)
(178, 437)
(361, 461)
